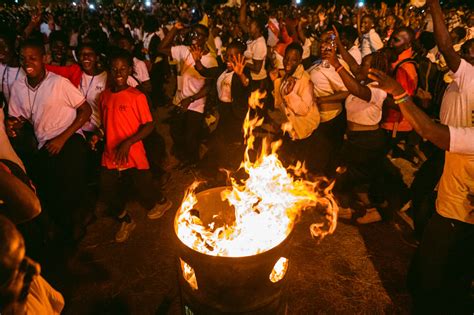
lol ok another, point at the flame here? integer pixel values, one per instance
(279, 270)
(189, 275)
(267, 204)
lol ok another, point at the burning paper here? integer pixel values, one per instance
(267, 204)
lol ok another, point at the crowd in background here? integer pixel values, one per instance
(346, 89)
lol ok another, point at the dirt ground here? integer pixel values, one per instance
(357, 270)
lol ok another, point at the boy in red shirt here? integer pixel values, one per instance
(126, 120)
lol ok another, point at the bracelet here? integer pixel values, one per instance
(402, 100)
(339, 68)
(404, 94)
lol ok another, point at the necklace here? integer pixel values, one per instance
(35, 89)
(88, 87)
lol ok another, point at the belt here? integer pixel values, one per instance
(352, 126)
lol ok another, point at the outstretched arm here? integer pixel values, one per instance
(436, 133)
(443, 39)
(352, 85)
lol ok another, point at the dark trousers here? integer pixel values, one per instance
(61, 182)
(422, 191)
(327, 144)
(441, 272)
(186, 133)
(363, 154)
(116, 187)
(155, 148)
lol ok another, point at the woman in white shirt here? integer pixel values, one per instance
(364, 150)
(256, 52)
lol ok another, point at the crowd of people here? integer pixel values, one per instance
(345, 88)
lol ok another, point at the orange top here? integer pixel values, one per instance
(122, 115)
(72, 72)
(408, 78)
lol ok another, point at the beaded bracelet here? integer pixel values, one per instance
(404, 94)
(402, 100)
(339, 68)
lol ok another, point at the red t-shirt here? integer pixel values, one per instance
(72, 72)
(122, 115)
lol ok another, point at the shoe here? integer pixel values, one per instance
(124, 233)
(159, 210)
(371, 216)
(345, 213)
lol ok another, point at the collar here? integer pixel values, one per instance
(406, 54)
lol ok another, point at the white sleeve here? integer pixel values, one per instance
(141, 71)
(178, 53)
(461, 140)
(71, 94)
(375, 41)
(301, 98)
(378, 96)
(259, 50)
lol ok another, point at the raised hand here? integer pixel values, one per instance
(386, 83)
(238, 64)
(196, 52)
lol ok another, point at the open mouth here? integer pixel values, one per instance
(29, 70)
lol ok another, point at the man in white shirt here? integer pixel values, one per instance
(330, 93)
(442, 268)
(57, 110)
(197, 70)
(371, 41)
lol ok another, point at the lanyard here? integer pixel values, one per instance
(8, 76)
(36, 90)
(88, 87)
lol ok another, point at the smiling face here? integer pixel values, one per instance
(229, 56)
(199, 37)
(88, 60)
(32, 61)
(119, 71)
(291, 61)
(366, 25)
(58, 51)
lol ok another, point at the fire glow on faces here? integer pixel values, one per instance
(267, 204)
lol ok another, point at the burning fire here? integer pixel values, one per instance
(267, 204)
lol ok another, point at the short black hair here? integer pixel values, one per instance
(90, 45)
(466, 46)
(58, 36)
(239, 45)
(294, 46)
(203, 28)
(33, 43)
(9, 35)
(408, 30)
(121, 54)
(460, 32)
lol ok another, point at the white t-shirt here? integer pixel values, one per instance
(50, 107)
(355, 52)
(326, 81)
(6, 149)
(44, 29)
(224, 86)
(371, 42)
(457, 181)
(257, 49)
(140, 73)
(192, 81)
(366, 113)
(91, 87)
(272, 37)
(307, 48)
(9, 75)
